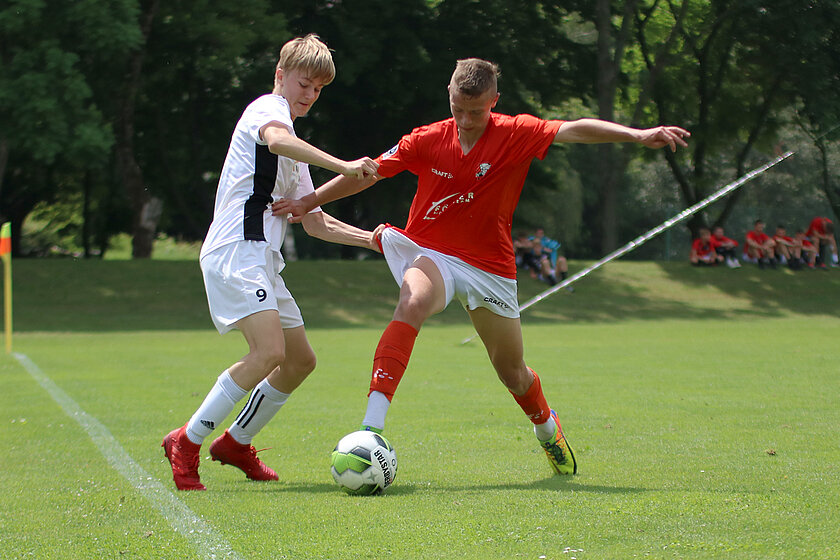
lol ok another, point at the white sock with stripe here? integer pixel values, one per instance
(264, 403)
(218, 403)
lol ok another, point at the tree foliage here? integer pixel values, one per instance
(107, 107)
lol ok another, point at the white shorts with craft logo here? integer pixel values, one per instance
(473, 286)
(243, 278)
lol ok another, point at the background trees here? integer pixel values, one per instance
(116, 116)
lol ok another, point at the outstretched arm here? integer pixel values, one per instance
(323, 226)
(596, 131)
(338, 187)
(282, 142)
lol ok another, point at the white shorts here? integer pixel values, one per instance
(473, 286)
(243, 278)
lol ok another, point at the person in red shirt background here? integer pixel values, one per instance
(758, 246)
(471, 169)
(805, 251)
(821, 234)
(703, 250)
(785, 246)
(725, 247)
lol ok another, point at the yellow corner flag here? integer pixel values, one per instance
(6, 255)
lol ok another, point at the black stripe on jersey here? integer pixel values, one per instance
(265, 175)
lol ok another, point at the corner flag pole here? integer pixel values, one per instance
(6, 256)
(642, 239)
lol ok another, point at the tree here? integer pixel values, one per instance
(731, 83)
(53, 132)
(204, 62)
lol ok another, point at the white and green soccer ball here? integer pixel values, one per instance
(364, 463)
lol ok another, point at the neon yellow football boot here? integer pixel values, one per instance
(558, 450)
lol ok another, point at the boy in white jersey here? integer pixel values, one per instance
(241, 264)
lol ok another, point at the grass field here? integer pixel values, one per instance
(702, 405)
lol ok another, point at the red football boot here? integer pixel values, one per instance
(228, 451)
(183, 456)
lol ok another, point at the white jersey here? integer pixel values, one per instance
(252, 178)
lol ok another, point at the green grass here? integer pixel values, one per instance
(702, 405)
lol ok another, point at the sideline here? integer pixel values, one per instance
(180, 517)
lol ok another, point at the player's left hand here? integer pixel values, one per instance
(661, 136)
(295, 207)
(374, 237)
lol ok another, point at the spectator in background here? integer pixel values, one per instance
(805, 251)
(547, 253)
(821, 234)
(703, 250)
(725, 247)
(758, 247)
(523, 248)
(785, 246)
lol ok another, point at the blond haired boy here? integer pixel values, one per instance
(241, 264)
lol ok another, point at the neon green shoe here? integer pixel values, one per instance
(371, 429)
(559, 452)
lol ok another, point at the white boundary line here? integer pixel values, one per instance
(180, 517)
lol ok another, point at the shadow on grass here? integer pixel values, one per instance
(56, 295)
(559, 484)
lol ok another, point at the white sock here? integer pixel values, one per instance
(264, 403)
(377, 408)
(545, 431)
(218, 403)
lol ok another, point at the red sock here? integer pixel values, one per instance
(391, 357)
(533, 402)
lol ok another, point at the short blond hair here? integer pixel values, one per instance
(474, 76)
(310, 56)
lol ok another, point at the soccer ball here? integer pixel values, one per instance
(364, 463)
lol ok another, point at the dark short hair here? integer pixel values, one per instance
(474, 76)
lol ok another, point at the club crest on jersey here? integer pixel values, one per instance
(483, 168)
(390, 152)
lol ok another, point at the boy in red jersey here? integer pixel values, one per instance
(725, 247)
(821, 234)
(805, 251)
(785, 245)
(703, 250)
(758, 246)
(471, 169)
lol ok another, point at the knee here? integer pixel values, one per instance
(305, 364)
(270, 357)
(514, 376)
(412, 310)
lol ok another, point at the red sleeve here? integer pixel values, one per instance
(533, 136)
(399, 158)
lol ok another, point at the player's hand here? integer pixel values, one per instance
(361, 168)
(374, 237)
(662, 136)
(295, 207)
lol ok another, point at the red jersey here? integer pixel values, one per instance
(464, 203)
(817, 227)
(703, 248)
(760, 238)
(719, 241)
